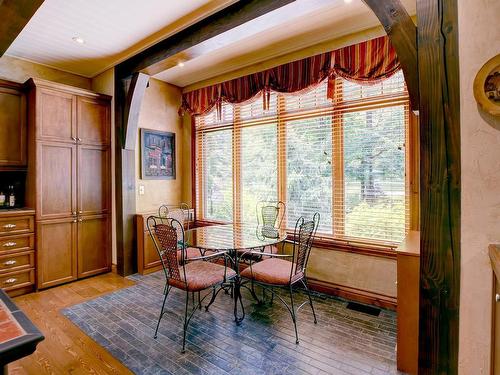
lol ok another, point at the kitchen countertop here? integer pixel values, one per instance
(16, 211)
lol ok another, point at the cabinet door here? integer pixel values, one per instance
(94, 245)
(496, 328)
(12, 127)
(56, 180)
(56, 116)
(94, 180)
(56, 252)
(94, 121)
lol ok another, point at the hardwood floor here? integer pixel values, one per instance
(66, 348)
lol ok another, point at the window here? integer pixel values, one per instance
(345, 159)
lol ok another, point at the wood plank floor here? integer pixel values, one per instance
(67, 349)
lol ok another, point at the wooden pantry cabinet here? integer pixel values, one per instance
(12, 125)
(69, 180)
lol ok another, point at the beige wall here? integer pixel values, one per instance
(479, 40)
(14, 69)
(159, 112)
(104, 83)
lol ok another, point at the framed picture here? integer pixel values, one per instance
(487, 86)
(157, 155)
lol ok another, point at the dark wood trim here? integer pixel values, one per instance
(15, 15)
(150, 60)
(193, 165)
(353, 294)
(439, 186)
(403, 35)
(135, 96)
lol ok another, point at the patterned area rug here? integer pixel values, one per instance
(343, 342)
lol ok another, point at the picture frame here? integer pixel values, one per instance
(158, 161)
(487, 86)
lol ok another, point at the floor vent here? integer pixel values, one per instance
(363, 308)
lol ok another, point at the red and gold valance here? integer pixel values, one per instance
(365, 63)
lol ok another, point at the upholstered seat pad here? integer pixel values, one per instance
(191, 252)
(201, 275)
(271, 271)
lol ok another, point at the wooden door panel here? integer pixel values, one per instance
(94, 250)
(12, 127)
(94, 180)
(94, 122)
(56, 112)
(56, 180)
(56, 252)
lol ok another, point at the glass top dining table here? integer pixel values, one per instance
(228, 237)
(234, 239)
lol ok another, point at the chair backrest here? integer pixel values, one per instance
(270, 214)
(304, 234)
(180, 213)
(168, 235)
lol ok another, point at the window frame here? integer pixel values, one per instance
(337, 108)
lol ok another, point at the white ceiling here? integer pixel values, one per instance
(116, 29)
(112, 29)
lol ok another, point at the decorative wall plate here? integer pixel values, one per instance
(487, 86)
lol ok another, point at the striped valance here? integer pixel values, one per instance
(365, 63)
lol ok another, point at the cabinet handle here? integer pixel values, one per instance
(79, 139)
(9, 244)
(80, 220)
(12, 280)
(80, 212)
(497, 297)
(73, 213)
(10, 262)
(9, 226)
(73, 138)
(74, 221)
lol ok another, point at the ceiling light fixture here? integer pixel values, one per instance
(181, 64)
(78, 40)
(347, 1)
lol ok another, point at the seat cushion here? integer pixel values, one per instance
(191, 252)
(272, 271)
(201, 275)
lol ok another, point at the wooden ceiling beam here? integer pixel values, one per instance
(153, 59)
(15, 15)
(403, 35)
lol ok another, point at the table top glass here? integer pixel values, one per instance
(233, 237)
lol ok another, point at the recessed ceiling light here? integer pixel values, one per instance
(181, 64)
(78, 40)
(347, 1)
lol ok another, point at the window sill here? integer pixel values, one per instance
(377, 250)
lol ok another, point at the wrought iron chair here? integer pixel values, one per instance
(191, 275)
(270, 216)
(180, 213)
(286, 270)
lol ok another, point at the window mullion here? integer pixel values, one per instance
(281, 149)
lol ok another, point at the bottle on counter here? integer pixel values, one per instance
(2, 199)
(12, 197)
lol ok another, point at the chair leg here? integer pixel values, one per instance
(294, 318)
(199, 301)
(185, 322)
(310, 300)
(165, 291)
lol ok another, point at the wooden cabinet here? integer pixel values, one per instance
(408, 262)
(12, 125)
(494, 253)
(17, 251)
(57, 251)
(147, 256)
(93, 242)
(71, 169)
(56, 180)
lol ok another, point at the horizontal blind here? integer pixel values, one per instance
(214, 165)
(256, 132)
(345, 159)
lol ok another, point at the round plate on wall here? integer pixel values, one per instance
(487, 86)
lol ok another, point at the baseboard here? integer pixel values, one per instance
(353, 294)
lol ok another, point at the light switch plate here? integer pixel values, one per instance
(141, 189)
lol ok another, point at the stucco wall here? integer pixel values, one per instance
(479, 40)
(17, 70)
(159, 112)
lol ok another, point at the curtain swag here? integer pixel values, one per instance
(364, 63)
